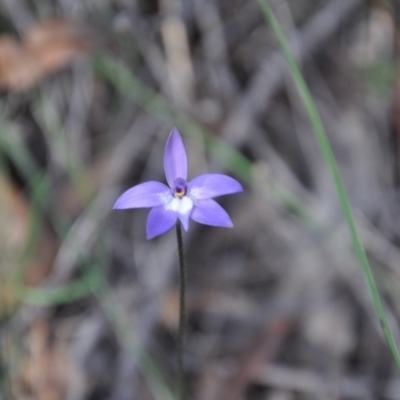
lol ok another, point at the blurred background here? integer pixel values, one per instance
(278, 308)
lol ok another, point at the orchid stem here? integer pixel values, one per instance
(182, 312)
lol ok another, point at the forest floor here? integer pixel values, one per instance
(277, 307)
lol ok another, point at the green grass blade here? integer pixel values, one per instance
(63, 294)
(334, 170)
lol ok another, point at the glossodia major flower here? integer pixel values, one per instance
(182, 199)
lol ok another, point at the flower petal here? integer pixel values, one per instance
(147, 194)
(175, 159)
(212, 185)
(209, 212)
(159, 221)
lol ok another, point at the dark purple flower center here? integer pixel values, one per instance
(180, 188)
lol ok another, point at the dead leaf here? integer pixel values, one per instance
(13, 218)
(15, 223)
(44, 370)
(46, 47)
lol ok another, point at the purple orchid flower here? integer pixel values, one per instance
(181, 199)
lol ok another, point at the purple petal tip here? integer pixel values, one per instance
(175, 158)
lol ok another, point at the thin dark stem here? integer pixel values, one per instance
(182, 313)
